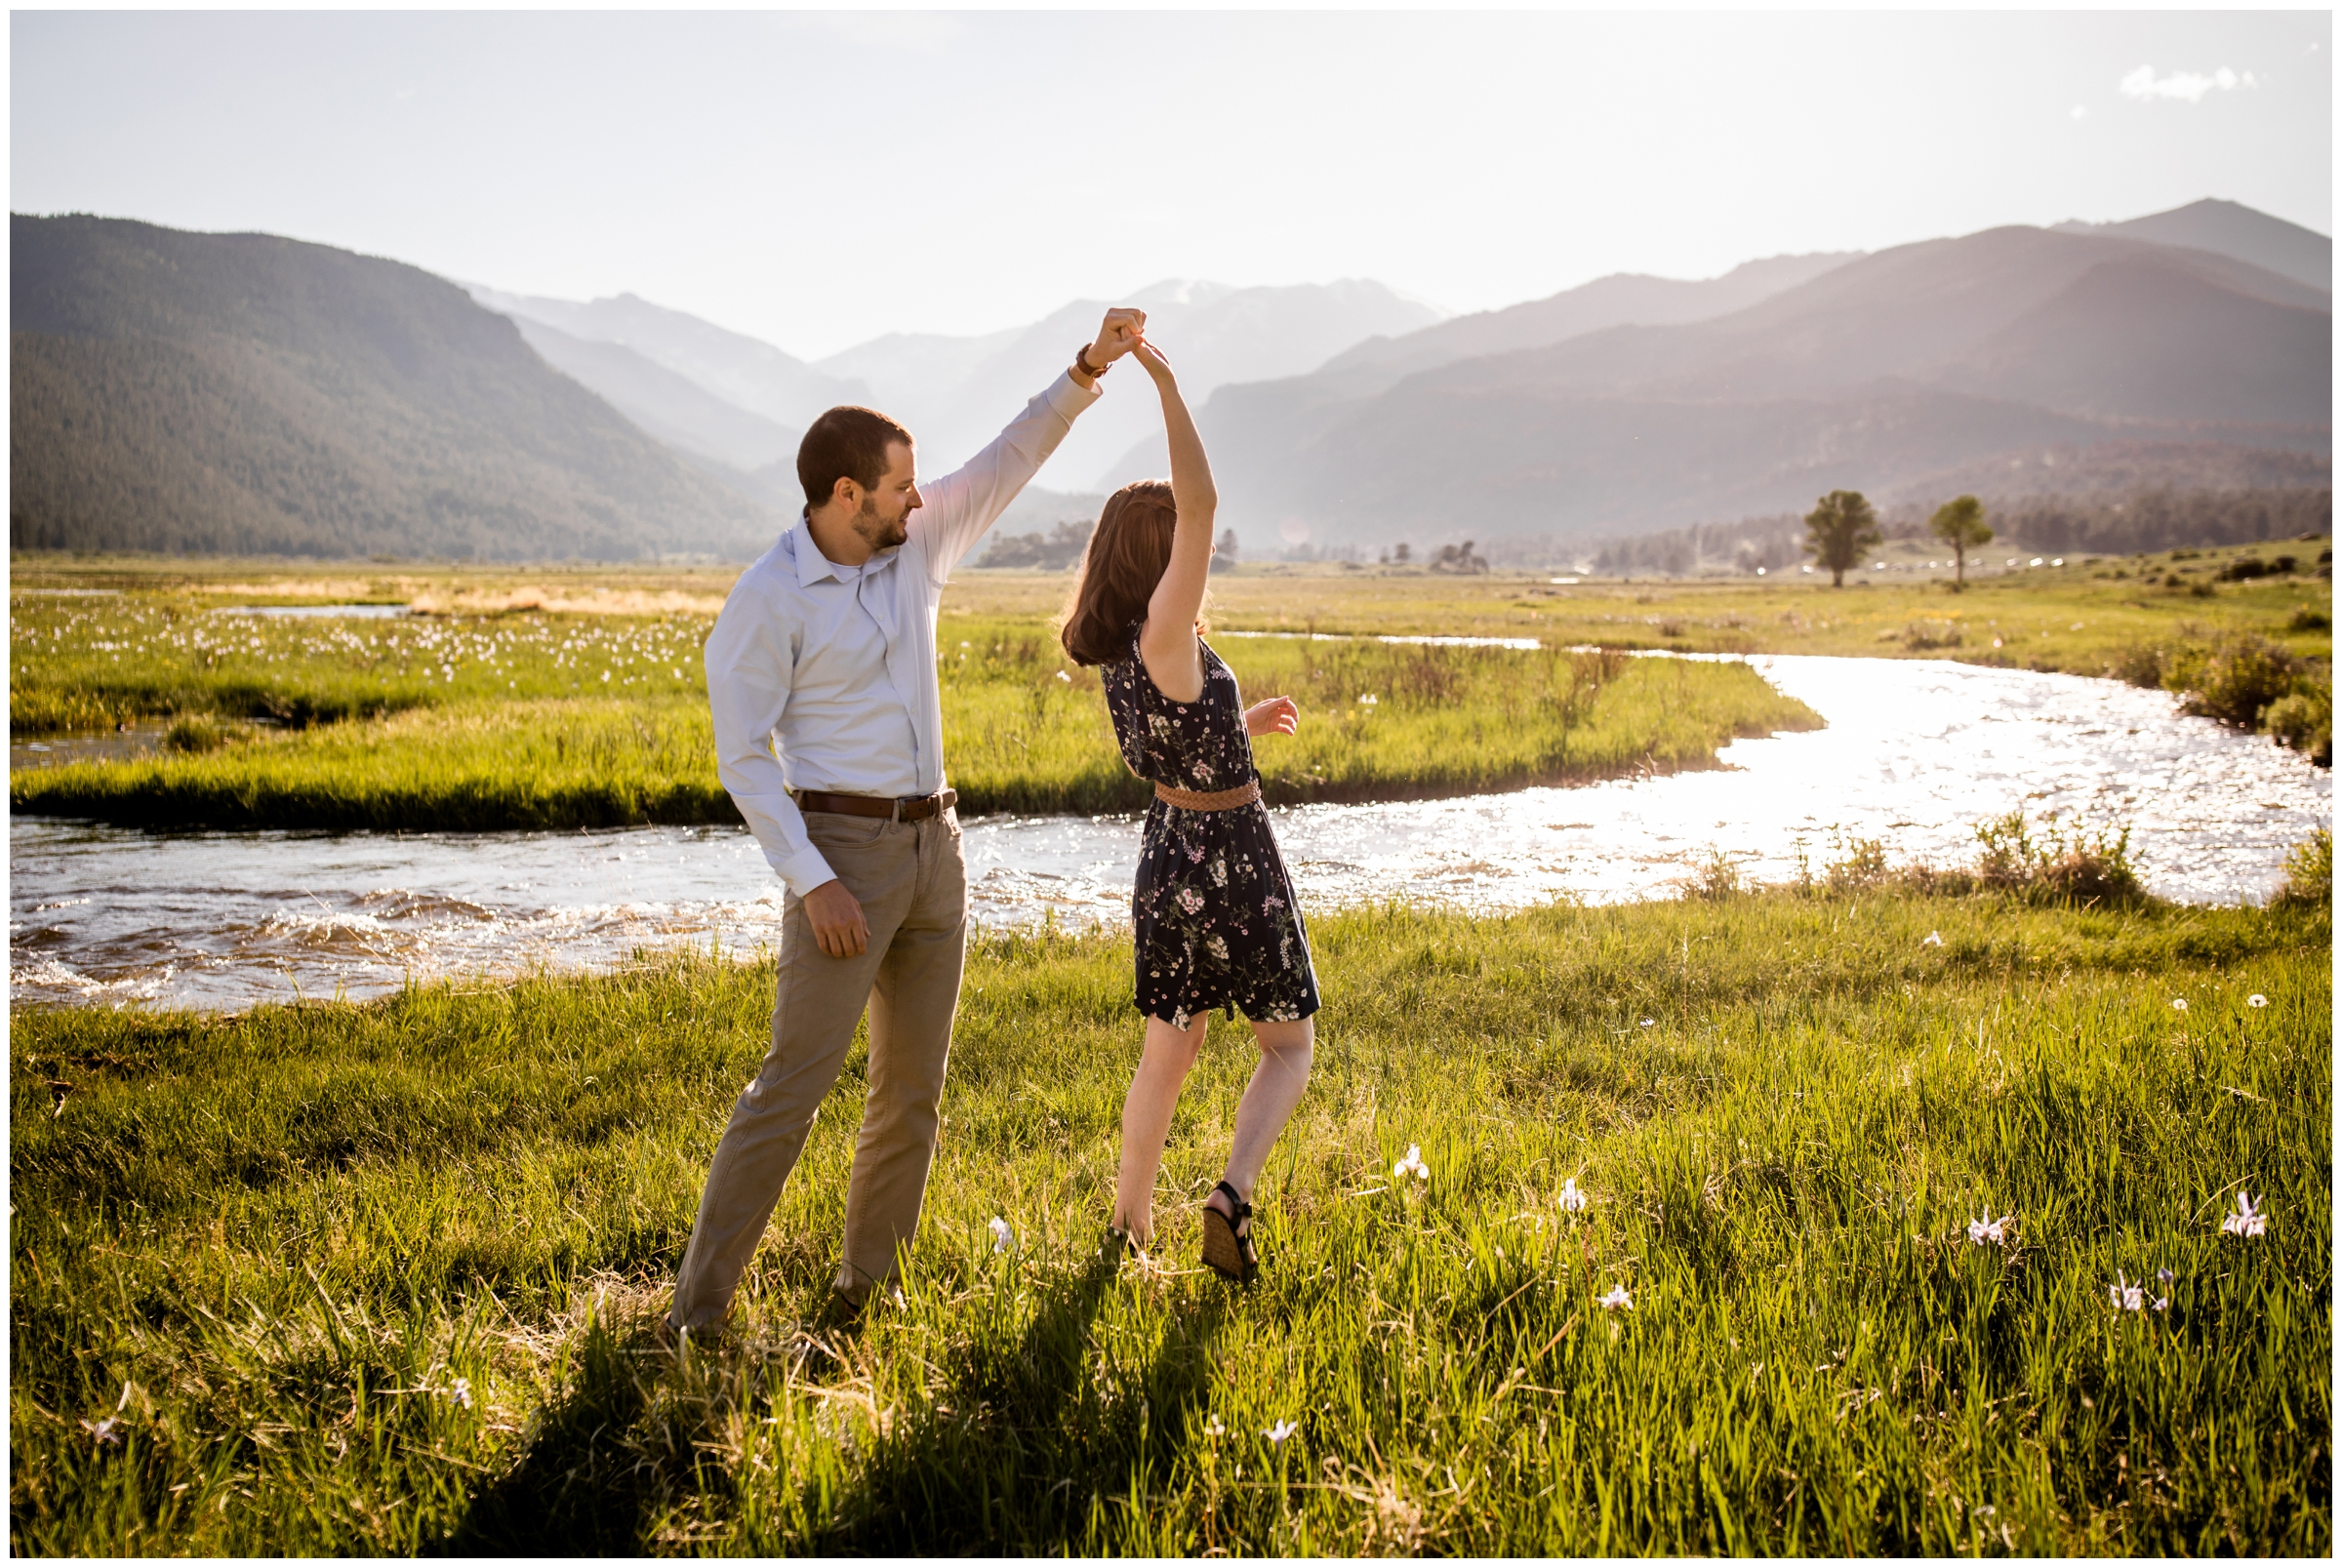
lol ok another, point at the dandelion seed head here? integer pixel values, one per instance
(2256, 999)
(2179, 1004)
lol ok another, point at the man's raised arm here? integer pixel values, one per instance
(957, 508)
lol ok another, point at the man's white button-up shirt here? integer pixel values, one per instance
(822, 676)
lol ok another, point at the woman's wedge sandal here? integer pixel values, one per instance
(1227, 1251)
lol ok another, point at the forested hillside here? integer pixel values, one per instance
(241, 393)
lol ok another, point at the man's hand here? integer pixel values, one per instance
(1118, 335)
(1279, 715)
(837, 922)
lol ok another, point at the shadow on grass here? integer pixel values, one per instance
(1028, 1454)
(579, 1489)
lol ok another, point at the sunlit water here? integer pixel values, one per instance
(1916, 754)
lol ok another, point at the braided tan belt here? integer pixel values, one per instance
(1215, 800)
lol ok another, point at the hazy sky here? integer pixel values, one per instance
(819, 177)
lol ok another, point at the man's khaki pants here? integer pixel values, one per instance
(913, 889)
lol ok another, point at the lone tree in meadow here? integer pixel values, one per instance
(1960, 524)
(1839, 531)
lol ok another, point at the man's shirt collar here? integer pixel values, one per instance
(813, 566)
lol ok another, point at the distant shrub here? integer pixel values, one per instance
(2306, 618)
(2309, 872)
(2139, 664)
(2304, 717)
(1932, 635)
(2234, 679)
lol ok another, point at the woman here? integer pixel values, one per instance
(1213, 916)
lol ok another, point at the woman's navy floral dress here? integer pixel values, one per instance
(1213, 915)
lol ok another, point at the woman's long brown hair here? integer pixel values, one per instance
(1127, 553)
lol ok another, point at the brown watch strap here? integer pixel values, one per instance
(1081, 362)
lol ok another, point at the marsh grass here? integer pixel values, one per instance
(267, 1247)
(525, 721)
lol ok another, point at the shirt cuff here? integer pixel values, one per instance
(804, 870)
(1068, 397)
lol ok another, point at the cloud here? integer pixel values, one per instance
(2145, 86)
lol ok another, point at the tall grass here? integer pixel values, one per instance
(377, 1278)
(91, 664)
(560, 746)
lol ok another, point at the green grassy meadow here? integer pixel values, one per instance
(378, 1278)
(530, 718)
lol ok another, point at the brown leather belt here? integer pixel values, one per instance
(907, 809)
(1215, 800)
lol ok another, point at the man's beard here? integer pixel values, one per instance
(881, 534)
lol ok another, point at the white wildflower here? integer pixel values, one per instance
(2246, 1220)
(2256, 999)
(1368, 700)
(2126, 1296)
(1648, 1022)
(1004, 1238)
(1068, 679)
(1280, 1432)
(1571, 1201)
(1412, 1162)
(1214, 1428)
(461, 1392)
(1989, 1229)
(2179, 1004)
(108, 1431)
(1616, 1299)
(1933, 938)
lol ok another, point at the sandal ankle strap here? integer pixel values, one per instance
(1235, 1200)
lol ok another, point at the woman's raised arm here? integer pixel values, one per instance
(1167, 642)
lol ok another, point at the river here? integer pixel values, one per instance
(1917, 752)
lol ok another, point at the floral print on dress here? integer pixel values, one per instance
(1198, 941)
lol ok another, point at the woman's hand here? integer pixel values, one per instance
(1279, 715)
(1147, 354)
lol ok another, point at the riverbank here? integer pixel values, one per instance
(539, 720)
(378, 1278)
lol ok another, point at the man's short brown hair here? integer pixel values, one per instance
(845, 443)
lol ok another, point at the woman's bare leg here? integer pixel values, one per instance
(1146, 1120)
(1267, 1103)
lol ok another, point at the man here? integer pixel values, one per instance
(829, 733)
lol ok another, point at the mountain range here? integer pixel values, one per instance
(661, 368)
(1872, 374)
(241, 393)
(191, 391)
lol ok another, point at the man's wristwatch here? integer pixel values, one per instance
(1081, 363)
